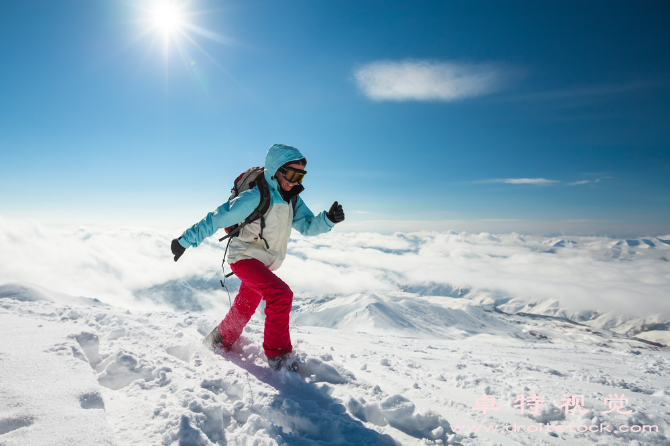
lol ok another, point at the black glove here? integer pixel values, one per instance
(177, 249)
(335, 214)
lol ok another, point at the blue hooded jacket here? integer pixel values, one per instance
(236, 210)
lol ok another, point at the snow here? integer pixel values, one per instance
(48, 394)
(658, 336)
(89, 374)
(397, 335)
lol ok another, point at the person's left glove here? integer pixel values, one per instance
(335, 214)
(177, 249)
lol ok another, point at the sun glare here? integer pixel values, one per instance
(169, 24)
(167, 17)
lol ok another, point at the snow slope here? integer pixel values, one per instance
(379, 369)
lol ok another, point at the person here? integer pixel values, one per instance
(259, 249)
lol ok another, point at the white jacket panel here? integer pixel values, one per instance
(249, 245)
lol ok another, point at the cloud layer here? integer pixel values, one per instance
(422, 80)
(116, 265)
(581, 273)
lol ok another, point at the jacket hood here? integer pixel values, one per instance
(277, 156)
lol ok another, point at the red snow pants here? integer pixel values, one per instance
(258, 282)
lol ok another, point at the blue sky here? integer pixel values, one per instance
(462, 112)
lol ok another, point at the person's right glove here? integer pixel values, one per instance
(177, 249)
(335, 214)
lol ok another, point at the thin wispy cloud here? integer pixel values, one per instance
(535, 181)
(582, 182)
(587, 93)
(423, 80)
(584, 103)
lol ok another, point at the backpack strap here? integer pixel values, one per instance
(259, 212)
(263, 206)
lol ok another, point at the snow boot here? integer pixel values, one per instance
(285, 361)
(213, 340)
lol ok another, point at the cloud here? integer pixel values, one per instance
(117, 264)
(111, 264)
(536, 181)
(582, 182)
(581, 273)
(422, 80)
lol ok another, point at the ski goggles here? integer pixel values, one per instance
(292, 175)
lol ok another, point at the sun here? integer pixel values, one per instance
(170, 24)
(167, 17)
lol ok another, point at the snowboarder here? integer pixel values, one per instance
(260, 248)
